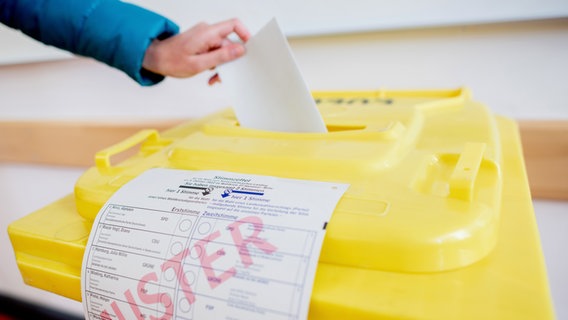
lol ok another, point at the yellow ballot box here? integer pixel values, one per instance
(437, 222)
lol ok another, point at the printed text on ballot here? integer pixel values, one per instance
(241, 244)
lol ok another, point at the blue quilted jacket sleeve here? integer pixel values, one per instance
(110, 31)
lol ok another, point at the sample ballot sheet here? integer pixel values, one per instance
(177, 244)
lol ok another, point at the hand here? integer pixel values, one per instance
(195, 50)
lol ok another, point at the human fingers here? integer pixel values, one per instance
(219, 56)
(224, 42)
(225, 28)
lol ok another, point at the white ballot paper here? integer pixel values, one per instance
(177, 244)
(266, 87)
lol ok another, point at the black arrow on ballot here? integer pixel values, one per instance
(205, 192)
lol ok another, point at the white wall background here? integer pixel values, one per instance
(319, 17)
(518, 69)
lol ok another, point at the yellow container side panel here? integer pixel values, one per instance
(49, 246)
(510, 283)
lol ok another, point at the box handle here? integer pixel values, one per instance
(102, 158)
(463, 178)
